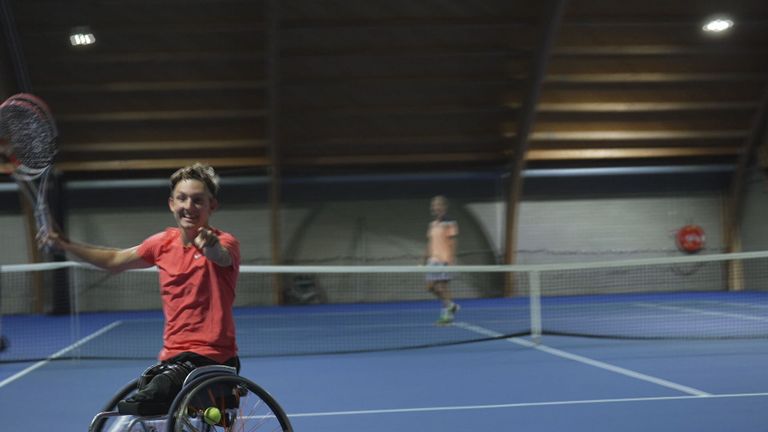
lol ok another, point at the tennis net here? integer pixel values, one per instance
(69, 310)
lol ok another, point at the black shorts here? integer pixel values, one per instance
(198, 360)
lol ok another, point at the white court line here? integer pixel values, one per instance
(703, 312)
(588, 361)
(58, 354)
(522, 405)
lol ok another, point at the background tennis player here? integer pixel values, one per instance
(441, 252)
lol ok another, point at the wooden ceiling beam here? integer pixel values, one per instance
(655, 135)
(339, 160)
(533, 155)
(555, 137)
(629, 153)
(160, 86)
(630, 78)
(152, 164)
(38, 30)
(102, 147)
(401, 52)
(652, 50)
(593, 107)
(380, 141)
(524, 123)
(400, 109)
(521, 22)
(165, 56)
(628, 107)
(128, 116)
(384, 80)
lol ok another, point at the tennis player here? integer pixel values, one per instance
(198, 268)
(441, 252)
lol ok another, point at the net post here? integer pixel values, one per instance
(734, 269)
(535, 305)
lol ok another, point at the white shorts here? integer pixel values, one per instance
(437, 276)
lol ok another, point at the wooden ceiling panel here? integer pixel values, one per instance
(158, 130)
(330, 84)
(43, 15)
(137, 43)
(686, 35)
(83, 103)
(339, 12)
(662, 65)
(393, 125)
(649, 93)
(657, 120)
(412, 39)
(397, 96)
(395, 67)
(679, 10)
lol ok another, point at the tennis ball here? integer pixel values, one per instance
(212, 415)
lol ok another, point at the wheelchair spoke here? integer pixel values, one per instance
(245, 407)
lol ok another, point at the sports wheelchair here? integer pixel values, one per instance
(244, 406)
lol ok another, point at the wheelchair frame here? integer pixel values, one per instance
(180, 413)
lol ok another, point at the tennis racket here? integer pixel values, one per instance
(28, 126)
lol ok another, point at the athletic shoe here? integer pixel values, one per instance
(453, 309)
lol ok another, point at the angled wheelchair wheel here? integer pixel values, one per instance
(128, 389)
(104, 424)
(241, 404)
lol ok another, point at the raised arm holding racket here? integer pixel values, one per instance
(28, 127)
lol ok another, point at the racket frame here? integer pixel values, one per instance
(33, 182)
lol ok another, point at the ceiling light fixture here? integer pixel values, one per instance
(81, 36)
(717, 25)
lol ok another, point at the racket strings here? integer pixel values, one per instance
(31, 133)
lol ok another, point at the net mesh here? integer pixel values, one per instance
(67, 310)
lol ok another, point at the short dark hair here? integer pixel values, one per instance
(441, 198)
(200, 172)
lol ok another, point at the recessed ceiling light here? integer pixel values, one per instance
(717, 25)
(80, 36)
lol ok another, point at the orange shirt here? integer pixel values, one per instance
(440, 235)
(197, 295)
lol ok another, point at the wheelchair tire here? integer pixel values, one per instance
(243, 405)
(128, 389)
(123, 393)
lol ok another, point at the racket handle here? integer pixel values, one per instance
(42, 219)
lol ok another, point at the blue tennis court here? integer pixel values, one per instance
(563, 383)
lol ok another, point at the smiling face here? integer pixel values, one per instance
(191, 204)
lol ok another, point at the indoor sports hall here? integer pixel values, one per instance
(329, 215)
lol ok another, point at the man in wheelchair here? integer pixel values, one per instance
(198, 270)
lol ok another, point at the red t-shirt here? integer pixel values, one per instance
(197, 295)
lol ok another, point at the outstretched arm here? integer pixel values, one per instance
(112, 259)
